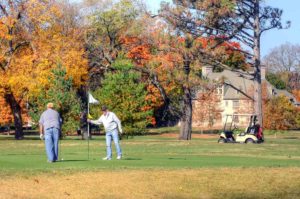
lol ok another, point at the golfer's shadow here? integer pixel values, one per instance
(132, 159)
(124, 159)
(71, 161)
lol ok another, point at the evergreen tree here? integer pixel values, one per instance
(64, 97)
(124, 94)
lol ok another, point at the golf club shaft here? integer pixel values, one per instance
(60, 149)
(88, 138)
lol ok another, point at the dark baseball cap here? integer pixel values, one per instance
(104, 108)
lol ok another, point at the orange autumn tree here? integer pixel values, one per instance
(281, 114)
(161, 57)
(33, 41)
(140, 51)
(6, 115)
(296, 93)
(208, 112)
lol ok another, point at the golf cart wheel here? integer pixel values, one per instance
(221, 140)
(249, 141)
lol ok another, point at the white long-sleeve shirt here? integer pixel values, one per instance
(110, 122)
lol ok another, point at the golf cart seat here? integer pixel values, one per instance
(251, 130)
(255, 130)
(229, 135)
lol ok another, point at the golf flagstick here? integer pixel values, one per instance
(88, 126)
(91, 100)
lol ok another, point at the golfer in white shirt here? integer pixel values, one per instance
(112, 125)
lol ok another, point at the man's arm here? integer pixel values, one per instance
(41, 131)
(60, 122)
(116, 119)
(97, 122)
(41, 127)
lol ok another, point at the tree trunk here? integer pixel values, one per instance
(257, 66)
(186, 118)
(16, 110)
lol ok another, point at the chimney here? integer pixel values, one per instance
(206, 70)
(263, 72)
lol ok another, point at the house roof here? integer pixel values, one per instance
(272, 91)
(239, 85)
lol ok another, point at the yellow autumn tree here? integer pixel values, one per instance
(281, 114)
(32, 41)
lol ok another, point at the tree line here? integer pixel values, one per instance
(145, 67)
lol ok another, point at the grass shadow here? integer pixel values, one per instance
(22, 154)
(3, 138)
(132, 159)
(31, 138)
(6, 138)
(291, 138)
(176, 158)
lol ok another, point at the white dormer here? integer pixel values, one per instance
(206, 70)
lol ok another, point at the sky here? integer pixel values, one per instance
(272, 38)
(275, 38)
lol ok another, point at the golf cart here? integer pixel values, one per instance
(252, 134)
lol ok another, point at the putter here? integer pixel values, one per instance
(61, 158)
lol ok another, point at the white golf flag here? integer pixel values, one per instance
(92, 100)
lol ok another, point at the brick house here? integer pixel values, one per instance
(233, 95)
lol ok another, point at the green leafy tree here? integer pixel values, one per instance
(125, 95)
(275, 81)
(110, 22)
(62, 94)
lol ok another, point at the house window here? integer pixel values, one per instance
(236, 103)
(220, 90)
(236, 118)
(226, 103)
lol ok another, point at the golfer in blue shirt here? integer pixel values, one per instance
(50, 126)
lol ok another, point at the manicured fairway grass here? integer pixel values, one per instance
(153, 167)
(150, 152)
